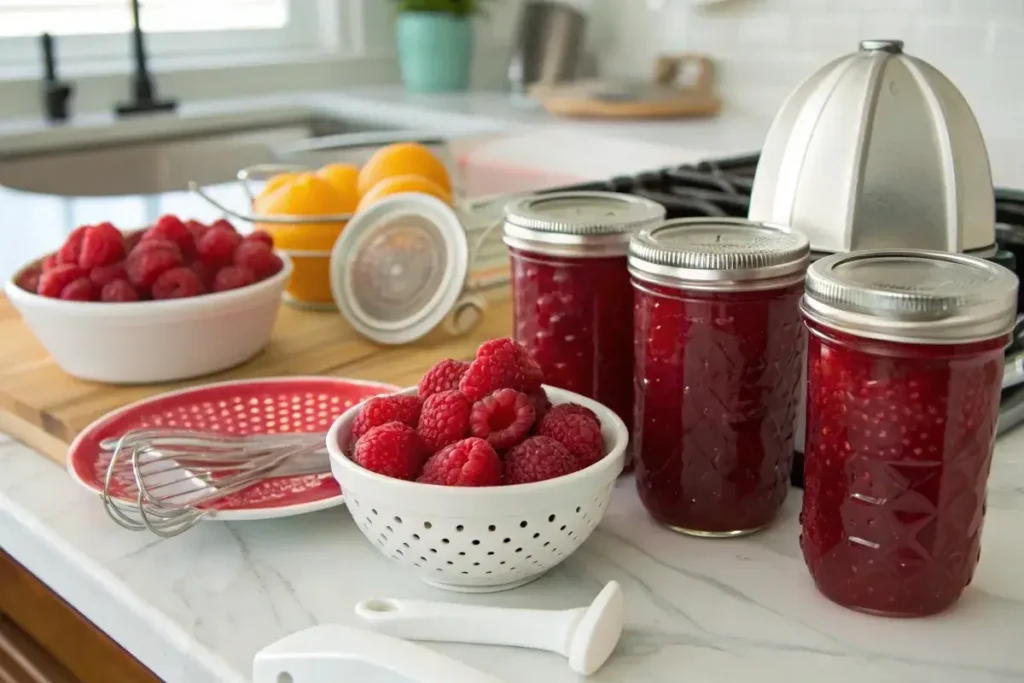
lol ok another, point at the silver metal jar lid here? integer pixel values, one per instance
(912, 295)
(578, 223)
(399, 267)
(719, 253)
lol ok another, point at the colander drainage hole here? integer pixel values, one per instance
(404, 544)
(476, 542)
(427, 525)
(522, 524)
(462, 554)
(465, 572)
(476, 564)
(519, 550)
(450, 562)
(537, 535)
(398, 520)
(563, 528)
(415, 537)
(490, 552)
(551, 518)
(492, 528)
(577, 511)
(547, 543)
(373, 510)
(507, 540)
(433, 551)
(423, 559)
(502, 562)
(459, 528)
(388, 527)
(445, 541)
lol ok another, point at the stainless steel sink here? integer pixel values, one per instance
(163, 154)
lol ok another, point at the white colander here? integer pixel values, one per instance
(480, 540)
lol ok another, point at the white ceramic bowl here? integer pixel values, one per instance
(153, 341)
(479, 539)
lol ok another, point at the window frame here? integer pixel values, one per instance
(306, 31)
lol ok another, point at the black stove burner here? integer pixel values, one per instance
(721, 187)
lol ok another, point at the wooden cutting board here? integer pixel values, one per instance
(45, 408)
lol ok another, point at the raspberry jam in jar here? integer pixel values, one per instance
(718, 357)
(572, 298)
(905, 365)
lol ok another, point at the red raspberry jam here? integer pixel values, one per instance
(718, 357)
(572, 298)
(905, 364)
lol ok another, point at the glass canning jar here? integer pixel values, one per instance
(573, 306)
(905, 363)
(718, 357)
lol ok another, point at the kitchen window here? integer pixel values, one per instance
(96, 30)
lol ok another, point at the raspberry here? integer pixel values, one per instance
(536, 459)
(172, 229)
(572, 409)
(390, 408)
(149, 260)
(131, 240)
(470, 462)
(261, 236)
(178, 283)
(118, 291)
(540, 402)
(29, 280)
(580, 435)
(259, 258)
(232, 277)
(81, 289)
(444, 419)
(50, 262)
(53, 281)
(503, 418)
(444, 376)
(101, 275)
(196, 229)
(496, 367)
(102, 245)
(72, 247)
(205, 272)
(392, 449)
(223, 224)
(217, 245)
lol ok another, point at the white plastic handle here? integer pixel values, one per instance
(453, 623)
(332, 653)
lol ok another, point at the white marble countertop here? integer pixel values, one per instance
(196, 608)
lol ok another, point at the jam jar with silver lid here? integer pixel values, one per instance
(718, 356)
(572, 298)
(905, 365)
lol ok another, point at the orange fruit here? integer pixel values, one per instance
(401, 159)
(344, 178)
(402, 184)
(273, 184)
(306, 195)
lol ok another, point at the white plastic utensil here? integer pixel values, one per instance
(332, 653)
(586, 635)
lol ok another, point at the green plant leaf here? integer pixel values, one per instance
(458, 8)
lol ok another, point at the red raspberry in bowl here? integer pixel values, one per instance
(580, 435)
(102, 245)
(498, 365)
(571, 409)
(101, 275)
(259, 258)
(392, 449)
(205, 272)
(196, 229)
(53, 281)
(50, 262)
(178, 283)
(29, 280)
(444, 376)
(149, 260)
(217, 245)
(118, 291)
(470, 462)
(261, 236)
(383, 409)
(444, 419)
(232, 277)
(81, 289)
(223, 224)
(537, 459)
(72, 247)
(172, 229)
(504, 418)
(540, 402)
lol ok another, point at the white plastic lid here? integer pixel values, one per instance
(399, 267)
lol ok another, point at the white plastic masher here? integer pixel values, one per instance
(586, 635)
(332, 653)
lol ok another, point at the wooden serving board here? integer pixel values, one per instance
(45, 408)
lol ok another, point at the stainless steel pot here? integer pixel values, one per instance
(547, 45)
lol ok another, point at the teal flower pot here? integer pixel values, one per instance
(434, 51)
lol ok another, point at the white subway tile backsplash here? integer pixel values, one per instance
(837, 33)
(766, 29)
(1008, 41)
(989, 8)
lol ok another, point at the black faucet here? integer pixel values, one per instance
(56, 93)
(143, 89)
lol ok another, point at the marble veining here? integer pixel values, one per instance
(197, 607)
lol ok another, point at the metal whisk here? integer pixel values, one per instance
(178, 474)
